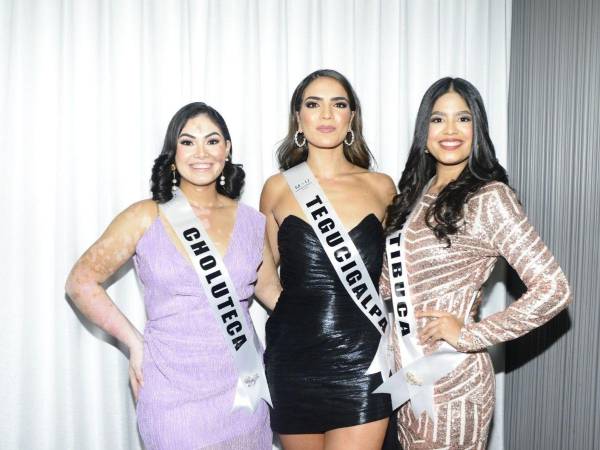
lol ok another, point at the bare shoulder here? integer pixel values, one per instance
(275, 182)
(138, 216)
(382, 184)
(147, 209)
(272, 190)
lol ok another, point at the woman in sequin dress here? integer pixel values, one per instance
(463, 216)
(182, 372)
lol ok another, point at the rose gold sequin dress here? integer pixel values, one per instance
(446, 279)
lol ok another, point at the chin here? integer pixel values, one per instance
(204, 181)
(329, 144)
(452, 159)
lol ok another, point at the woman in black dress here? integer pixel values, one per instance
(319, 343)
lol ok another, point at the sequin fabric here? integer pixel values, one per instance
(447, 278)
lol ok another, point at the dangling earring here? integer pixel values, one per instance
(222, 177)
(351, 138)
(298, 133)
(174, 180)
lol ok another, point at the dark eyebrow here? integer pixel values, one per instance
(214, 133)
(439, 113)
(334, 99)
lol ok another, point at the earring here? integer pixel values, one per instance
(222, 177)
(174, 180)
(426, 150)
(351, 138)
(298, 133)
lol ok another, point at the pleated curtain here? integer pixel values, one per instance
(87, 88)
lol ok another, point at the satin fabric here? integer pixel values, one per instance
(319, 344)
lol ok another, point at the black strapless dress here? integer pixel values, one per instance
(319, 344)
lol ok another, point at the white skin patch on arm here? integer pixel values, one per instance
(115, 246)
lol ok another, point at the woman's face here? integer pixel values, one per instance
(325, 114)
(450, 137)
(201, 151)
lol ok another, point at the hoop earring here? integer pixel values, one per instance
(222, 177)
(174, 180)
(298, 133)
(351, 138)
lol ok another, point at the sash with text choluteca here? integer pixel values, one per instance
(224, 302)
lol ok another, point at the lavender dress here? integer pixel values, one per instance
(189, 374)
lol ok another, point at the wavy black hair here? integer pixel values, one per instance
(444, 215)
(162, 176)
(290, 155)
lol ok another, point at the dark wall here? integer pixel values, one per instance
(553, 380)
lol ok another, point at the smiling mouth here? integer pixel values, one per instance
(450, 144)
(326, 129)
(201, 166)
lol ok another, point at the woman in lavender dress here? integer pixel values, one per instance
(181, 371)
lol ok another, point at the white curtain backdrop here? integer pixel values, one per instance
(87, 88)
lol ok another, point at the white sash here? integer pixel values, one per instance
(343, 255)
(224, 302)
(419, 373)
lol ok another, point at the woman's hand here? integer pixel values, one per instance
(446, 326)
(136, 353)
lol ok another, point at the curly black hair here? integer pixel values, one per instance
(444, 215)
(162, 176)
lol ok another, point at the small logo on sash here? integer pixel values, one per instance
(250, 380)
(301, 185)
(413, 379)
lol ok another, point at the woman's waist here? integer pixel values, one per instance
(181, 309)
(193, 329)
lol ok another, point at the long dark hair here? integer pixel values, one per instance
(162, 176)
(289, 154)
(444, 215)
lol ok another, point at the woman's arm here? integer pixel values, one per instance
(548, 292)
(268, 287)
(84, 284)
(384, 188)
(268, 199)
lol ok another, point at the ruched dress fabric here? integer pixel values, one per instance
(447, 279)
(188, 368)
(319, 343)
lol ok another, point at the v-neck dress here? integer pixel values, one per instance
(189, 373)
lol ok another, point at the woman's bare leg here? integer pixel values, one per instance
(368, 436)
(302, 441)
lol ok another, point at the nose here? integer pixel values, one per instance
(200, 151)
(450, 127)
(326, 111)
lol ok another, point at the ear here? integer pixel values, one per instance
(228, 149)
(352, 118)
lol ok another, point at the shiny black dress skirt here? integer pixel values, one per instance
(319, 344)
